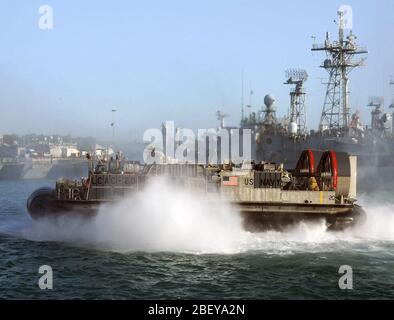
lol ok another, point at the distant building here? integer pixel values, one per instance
(16, 147)
(101, 151)
(72, 152)
(63, 151)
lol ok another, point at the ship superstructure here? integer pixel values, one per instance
(339, 128)
(340, 61)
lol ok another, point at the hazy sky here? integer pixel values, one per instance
(173, 60)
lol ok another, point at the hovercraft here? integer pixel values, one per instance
(321, 187)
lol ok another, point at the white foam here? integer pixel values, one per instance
(157, 219)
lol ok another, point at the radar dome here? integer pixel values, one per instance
(269, 100)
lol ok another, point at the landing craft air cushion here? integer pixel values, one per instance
(266, 195)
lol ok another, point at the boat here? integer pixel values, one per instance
(322, 186)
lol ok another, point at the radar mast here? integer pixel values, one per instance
(339, 63)
(297, 110)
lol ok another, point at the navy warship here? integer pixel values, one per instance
(42, 168)
(321, 186)
(283, 141)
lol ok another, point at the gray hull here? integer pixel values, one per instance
(43, 169)
(375, 162)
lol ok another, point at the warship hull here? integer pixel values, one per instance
(43, 169)
(375, 163)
